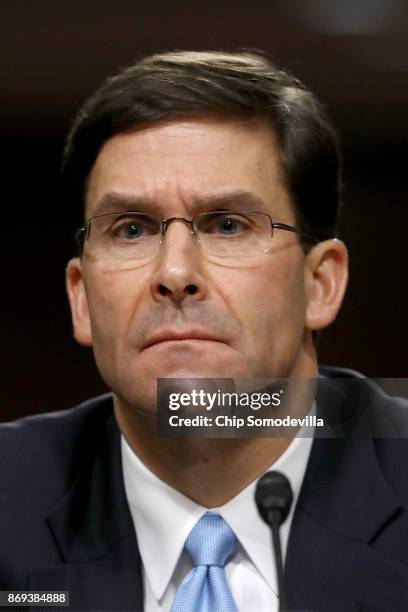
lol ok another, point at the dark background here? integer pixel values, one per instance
(353, 54)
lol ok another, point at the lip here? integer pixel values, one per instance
(174, 335)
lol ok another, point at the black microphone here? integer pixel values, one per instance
(273, 497)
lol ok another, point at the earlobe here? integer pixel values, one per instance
(78, 302)
(326, 281)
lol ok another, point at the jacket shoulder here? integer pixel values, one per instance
(356, 400)
(39, 455)
(359, 408)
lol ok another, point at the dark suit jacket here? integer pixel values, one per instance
(65, 522)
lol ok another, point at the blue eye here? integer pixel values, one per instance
(224, 225)
(227, 225)
(132, 230)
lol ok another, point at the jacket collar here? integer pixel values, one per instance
(94, 515)
(345, 503)
(94, 532)
(344, 487)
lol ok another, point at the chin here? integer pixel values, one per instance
(137, 399)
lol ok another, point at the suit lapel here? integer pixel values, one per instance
(332, 564)
(94, 533)
(345, 502)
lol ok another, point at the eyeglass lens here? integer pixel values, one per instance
(128, 236)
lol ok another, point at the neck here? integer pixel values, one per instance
(210, 471)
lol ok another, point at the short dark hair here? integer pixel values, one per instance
(246, 84)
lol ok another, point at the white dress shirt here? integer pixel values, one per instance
(164, 517)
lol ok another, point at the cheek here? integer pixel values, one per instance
(113, 298)
(271, 304)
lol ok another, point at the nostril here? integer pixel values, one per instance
(191, 289)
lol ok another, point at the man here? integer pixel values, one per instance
(210, 188)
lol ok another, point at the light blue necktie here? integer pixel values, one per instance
(210, 544)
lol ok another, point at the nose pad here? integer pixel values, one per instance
(186, 222)
(167, 222)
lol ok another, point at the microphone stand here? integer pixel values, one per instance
(276, 542)
(273, 497)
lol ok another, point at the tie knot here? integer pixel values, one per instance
(211, 541)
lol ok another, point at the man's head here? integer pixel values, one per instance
(178, 135)
(247, 85)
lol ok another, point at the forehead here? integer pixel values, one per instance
(173, 164)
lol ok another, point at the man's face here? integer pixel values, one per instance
(251, 312)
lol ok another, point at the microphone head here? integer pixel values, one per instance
(273, 497)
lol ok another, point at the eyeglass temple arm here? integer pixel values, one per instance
(80, 236)
(290, 228)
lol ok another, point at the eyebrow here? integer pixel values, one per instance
(112, 202)
(117, 202)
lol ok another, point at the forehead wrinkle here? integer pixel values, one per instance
(239, 198)
(117, 202)
(233, 197)
(175, 190)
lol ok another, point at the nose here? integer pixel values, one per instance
(179, 272)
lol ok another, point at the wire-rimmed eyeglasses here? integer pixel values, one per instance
(222, 234)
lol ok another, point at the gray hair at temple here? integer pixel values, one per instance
(242, 84)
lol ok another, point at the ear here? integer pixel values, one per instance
(78, 302)
(326, 278)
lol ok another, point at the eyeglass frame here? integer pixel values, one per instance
(190, 221)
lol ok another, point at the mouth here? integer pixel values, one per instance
(180, 336)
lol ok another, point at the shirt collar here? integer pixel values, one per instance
(163, 517)
(242, 514)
